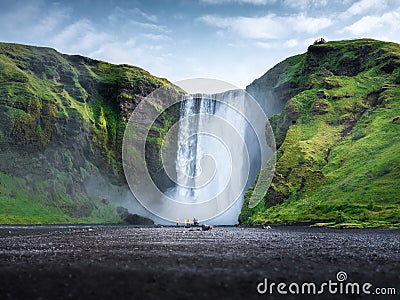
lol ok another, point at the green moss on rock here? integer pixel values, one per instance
(62, 120)
(337, 159)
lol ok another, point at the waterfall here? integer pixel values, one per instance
(191, 145)
(212, 153)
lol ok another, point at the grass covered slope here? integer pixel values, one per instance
(62, 120)
(338, 161)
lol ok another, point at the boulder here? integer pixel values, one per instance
(133, 219)
(206, 227)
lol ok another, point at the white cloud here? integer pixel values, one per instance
(155, 37)
(127, 21)
(265, 45)
(255, 2)
(130, 26)
(149, 17)
(256, 28)
(121, 15)
(79, 37)
(305, 4)
(301, 23)
(269, 26)
(117, 52)
(291, 43)
(364, 6)
(32, 21)
(385, 26)
(51, 20)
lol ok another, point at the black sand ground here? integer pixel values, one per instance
(175, 263)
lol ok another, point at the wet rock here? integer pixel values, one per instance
(133, 219)
(206, 227)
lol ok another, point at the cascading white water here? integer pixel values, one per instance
(204, 161)
(191, 145)
(213, 154)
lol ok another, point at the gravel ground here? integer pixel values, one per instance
(117, 262)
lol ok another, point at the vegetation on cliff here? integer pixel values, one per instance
(338, 162)
(334, 111)
(62, 120)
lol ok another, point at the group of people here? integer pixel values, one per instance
(187, 222)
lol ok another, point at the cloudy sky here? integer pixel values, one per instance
(233, 40)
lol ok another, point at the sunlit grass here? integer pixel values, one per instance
(340, 167)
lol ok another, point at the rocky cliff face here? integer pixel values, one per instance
(62, 120)
(335, 136)
(277, 86)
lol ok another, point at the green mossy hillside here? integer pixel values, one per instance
(62, 120)
(338, 162)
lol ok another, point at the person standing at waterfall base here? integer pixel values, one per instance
(177, 222)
